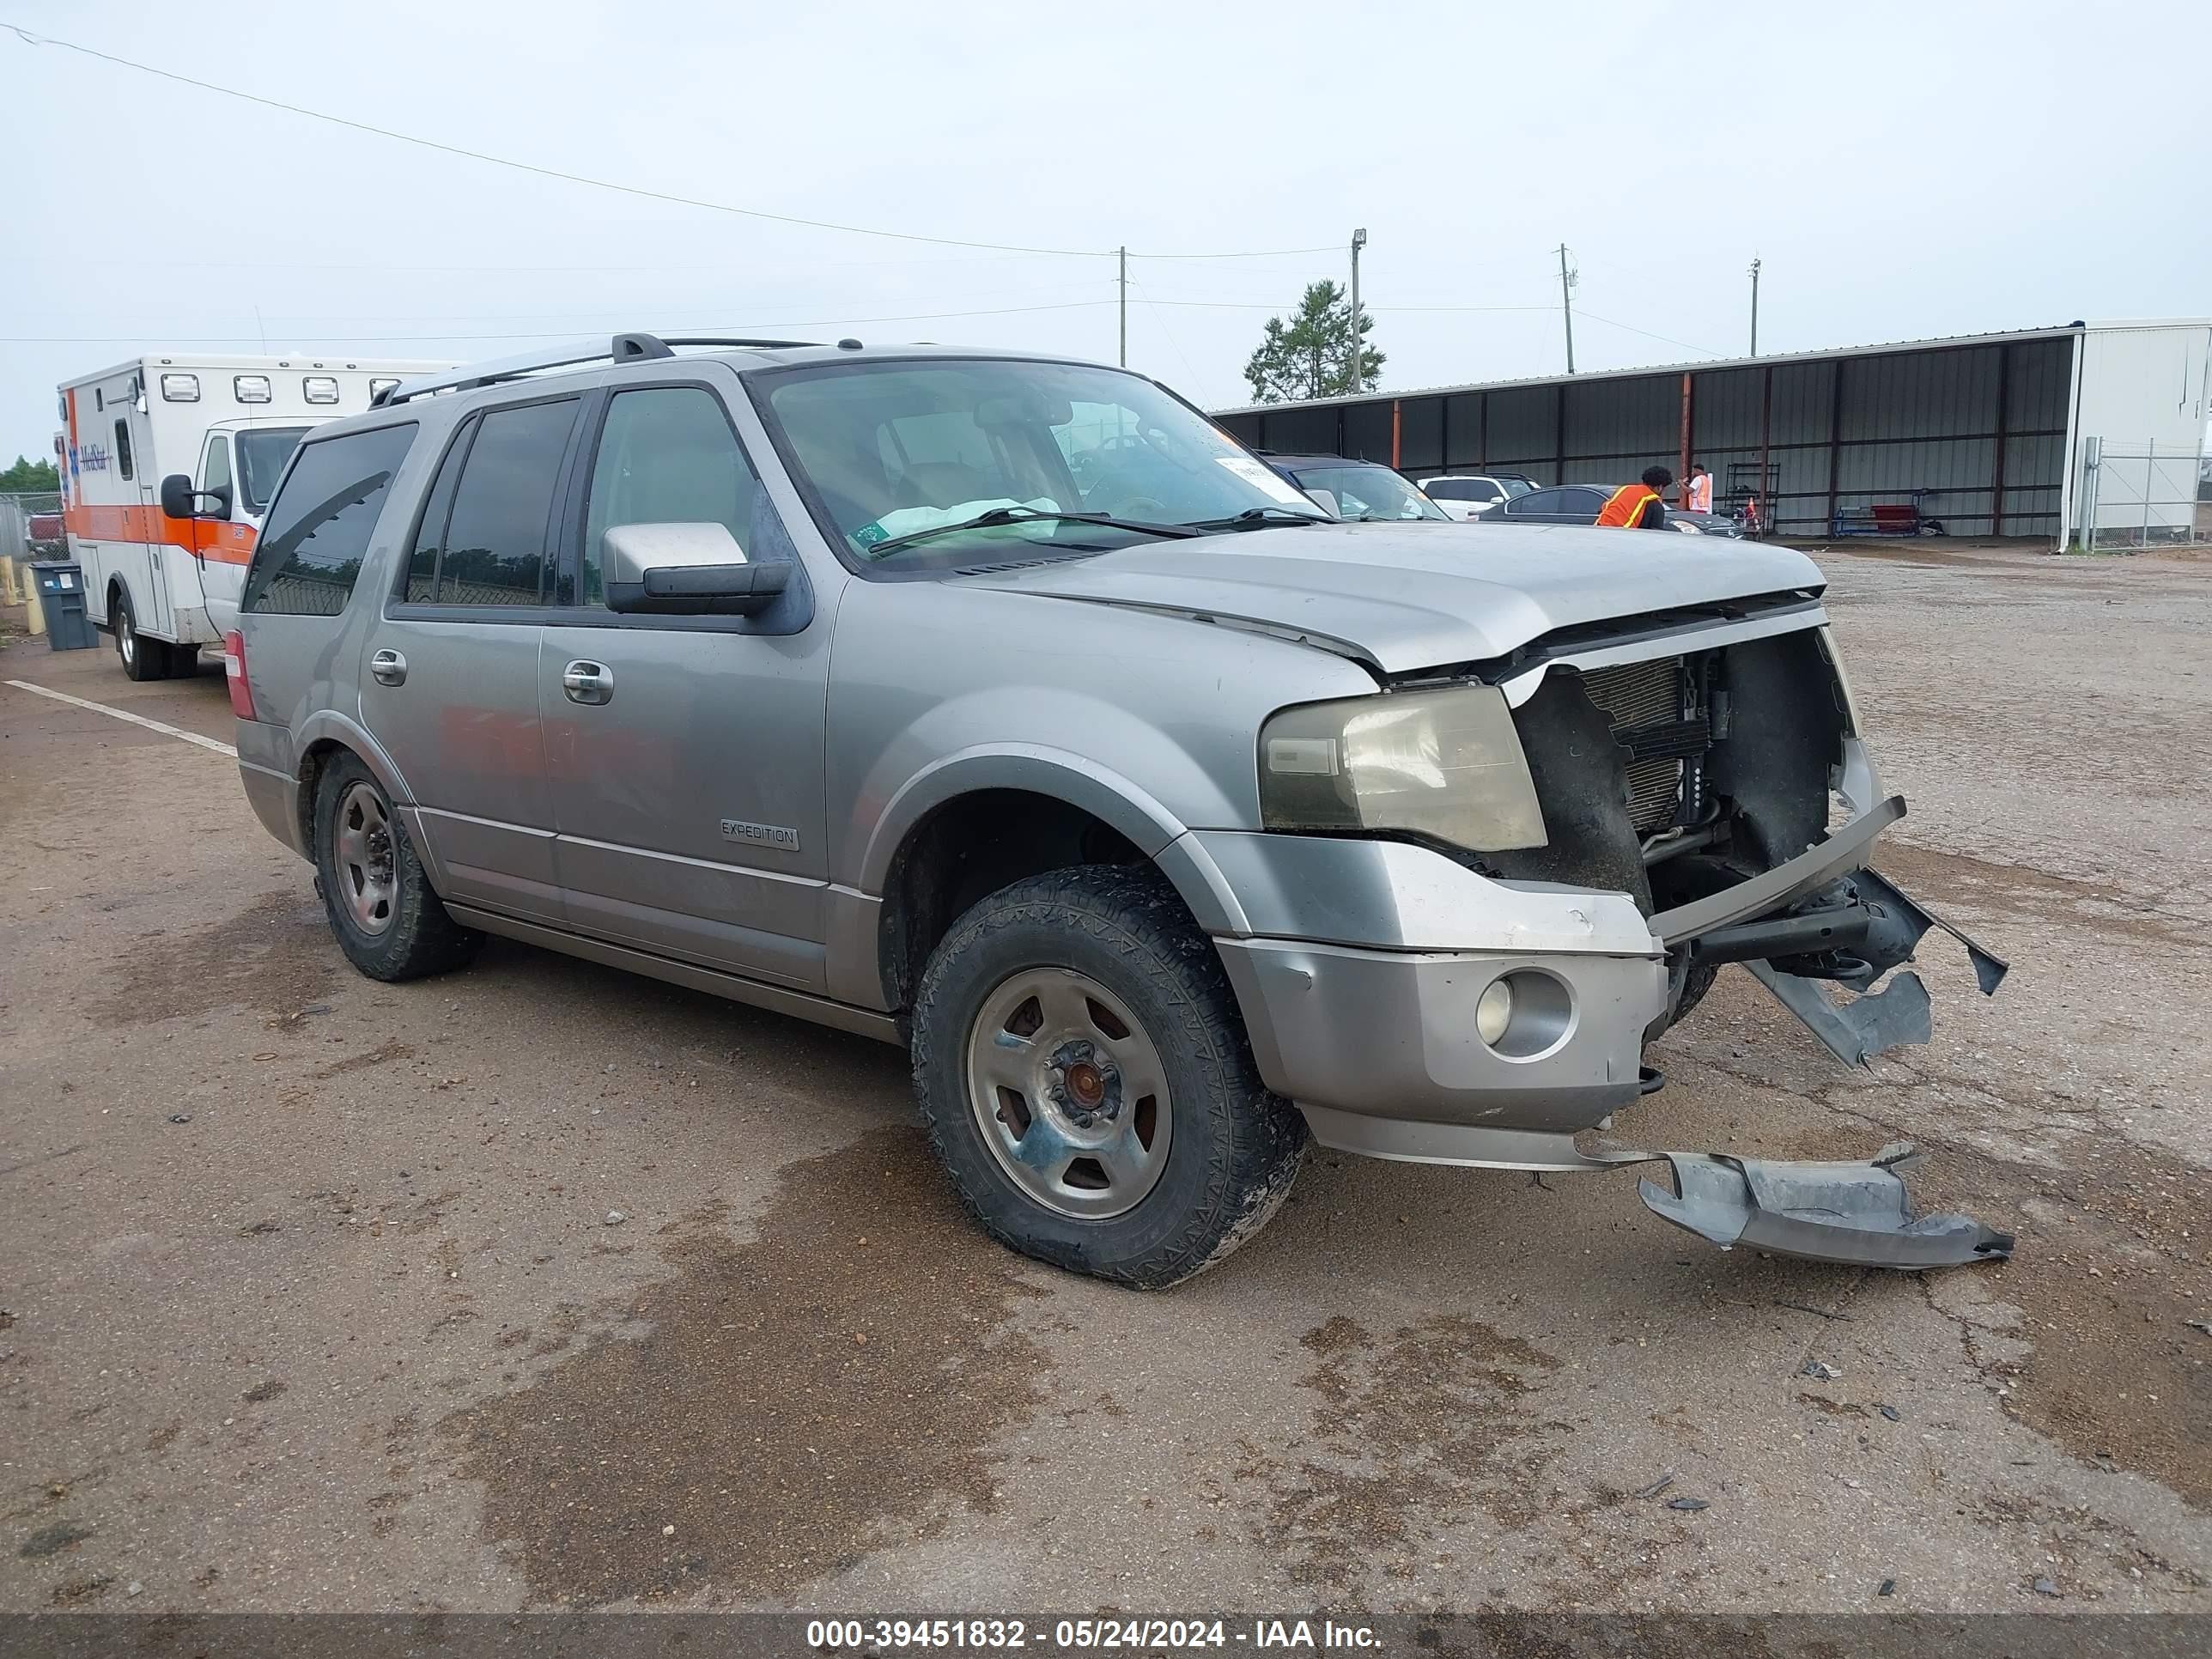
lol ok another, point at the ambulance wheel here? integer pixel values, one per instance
(142, 658)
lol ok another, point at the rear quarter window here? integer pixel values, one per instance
(311, 549)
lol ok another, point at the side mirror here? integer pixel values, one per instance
(180, 500)
(684, 571)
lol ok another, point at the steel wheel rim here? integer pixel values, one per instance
(1067, 1090)
(361, 839)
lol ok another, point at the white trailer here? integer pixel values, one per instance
(167, 465)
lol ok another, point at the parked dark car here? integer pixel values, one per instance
(1364, 491)
(1581, 503)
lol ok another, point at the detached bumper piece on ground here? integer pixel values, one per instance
(1859, 1214)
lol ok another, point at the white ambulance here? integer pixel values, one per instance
(168, 463)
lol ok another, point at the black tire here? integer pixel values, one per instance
(1235, 1148)
(1696, 982)
(416, 937)
(142, 659)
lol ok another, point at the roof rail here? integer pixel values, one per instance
(622, 349)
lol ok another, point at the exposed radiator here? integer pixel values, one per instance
(1645, 703)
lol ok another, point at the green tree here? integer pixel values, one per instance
(1310, 355)
(28, 474)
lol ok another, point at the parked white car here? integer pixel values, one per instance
(1466, 495)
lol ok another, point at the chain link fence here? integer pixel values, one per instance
(31, 525)
(2142, 495)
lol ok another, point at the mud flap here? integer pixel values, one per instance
(1855, 1214)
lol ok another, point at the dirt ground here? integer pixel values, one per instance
(309, 1298)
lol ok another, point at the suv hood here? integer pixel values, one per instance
(1419, 596)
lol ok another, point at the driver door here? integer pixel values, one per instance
(684, 754)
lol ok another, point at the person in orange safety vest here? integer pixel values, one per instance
(1700, 488)
(1637, 506)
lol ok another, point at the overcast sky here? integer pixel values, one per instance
(1902, 171)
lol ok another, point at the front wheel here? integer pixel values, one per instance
(142, 658)
(1085, 1078)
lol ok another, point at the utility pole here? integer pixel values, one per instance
(1358, 358)
(1567, 305)
(1754, 308)
(1125, 306)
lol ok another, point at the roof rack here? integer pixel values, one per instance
(623, 348)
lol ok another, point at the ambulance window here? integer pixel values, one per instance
(123, 448)
(311, 549)
(215, 474)
(262, 453)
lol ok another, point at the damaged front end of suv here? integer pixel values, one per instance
(1656, 796)
(1729, 789)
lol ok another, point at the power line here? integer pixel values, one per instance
(1668, 339)
(30, 39)
(676, 328)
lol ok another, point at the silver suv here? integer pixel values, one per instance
(1005, 708)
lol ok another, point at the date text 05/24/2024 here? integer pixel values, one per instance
(1079, 1635)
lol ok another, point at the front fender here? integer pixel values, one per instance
(1034, 769)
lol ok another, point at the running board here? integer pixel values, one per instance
(775, 998)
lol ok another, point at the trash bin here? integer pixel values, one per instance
(61, 601)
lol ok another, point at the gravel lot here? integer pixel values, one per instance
(311, 1300)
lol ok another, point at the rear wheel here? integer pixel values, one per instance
(1085, 1078)
(142, 658)
(389, 922)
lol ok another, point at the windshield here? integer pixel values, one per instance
(262, 453)
(1367, 492)
(884, 450)
(1515, 487)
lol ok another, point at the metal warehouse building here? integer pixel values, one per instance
(2090, 432)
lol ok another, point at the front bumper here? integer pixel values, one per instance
(1359, 966)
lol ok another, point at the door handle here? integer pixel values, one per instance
(387, 668)
(587, 681)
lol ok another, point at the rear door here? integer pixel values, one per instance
(133, 459)
(449, 675)
(685, 753)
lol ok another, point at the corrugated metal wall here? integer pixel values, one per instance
(1836, 434)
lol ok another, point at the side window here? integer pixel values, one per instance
(666, 456)
(123, 448)
(1446, 489)
(1483, 490)
(430, 534)
(495, 540)
(214, 469)
(1582, 500)
(1538, 501)
(318, 527)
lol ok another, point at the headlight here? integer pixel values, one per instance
(1688, 528)
(1446, 763)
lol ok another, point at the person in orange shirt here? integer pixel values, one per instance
(1638, 506)
(1700, 488)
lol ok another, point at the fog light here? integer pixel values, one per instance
(1493, 1013)
(1525, 1014)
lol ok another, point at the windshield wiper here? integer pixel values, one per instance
(1257, 518)
(1001, 515)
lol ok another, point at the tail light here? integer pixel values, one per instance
(234, 671)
